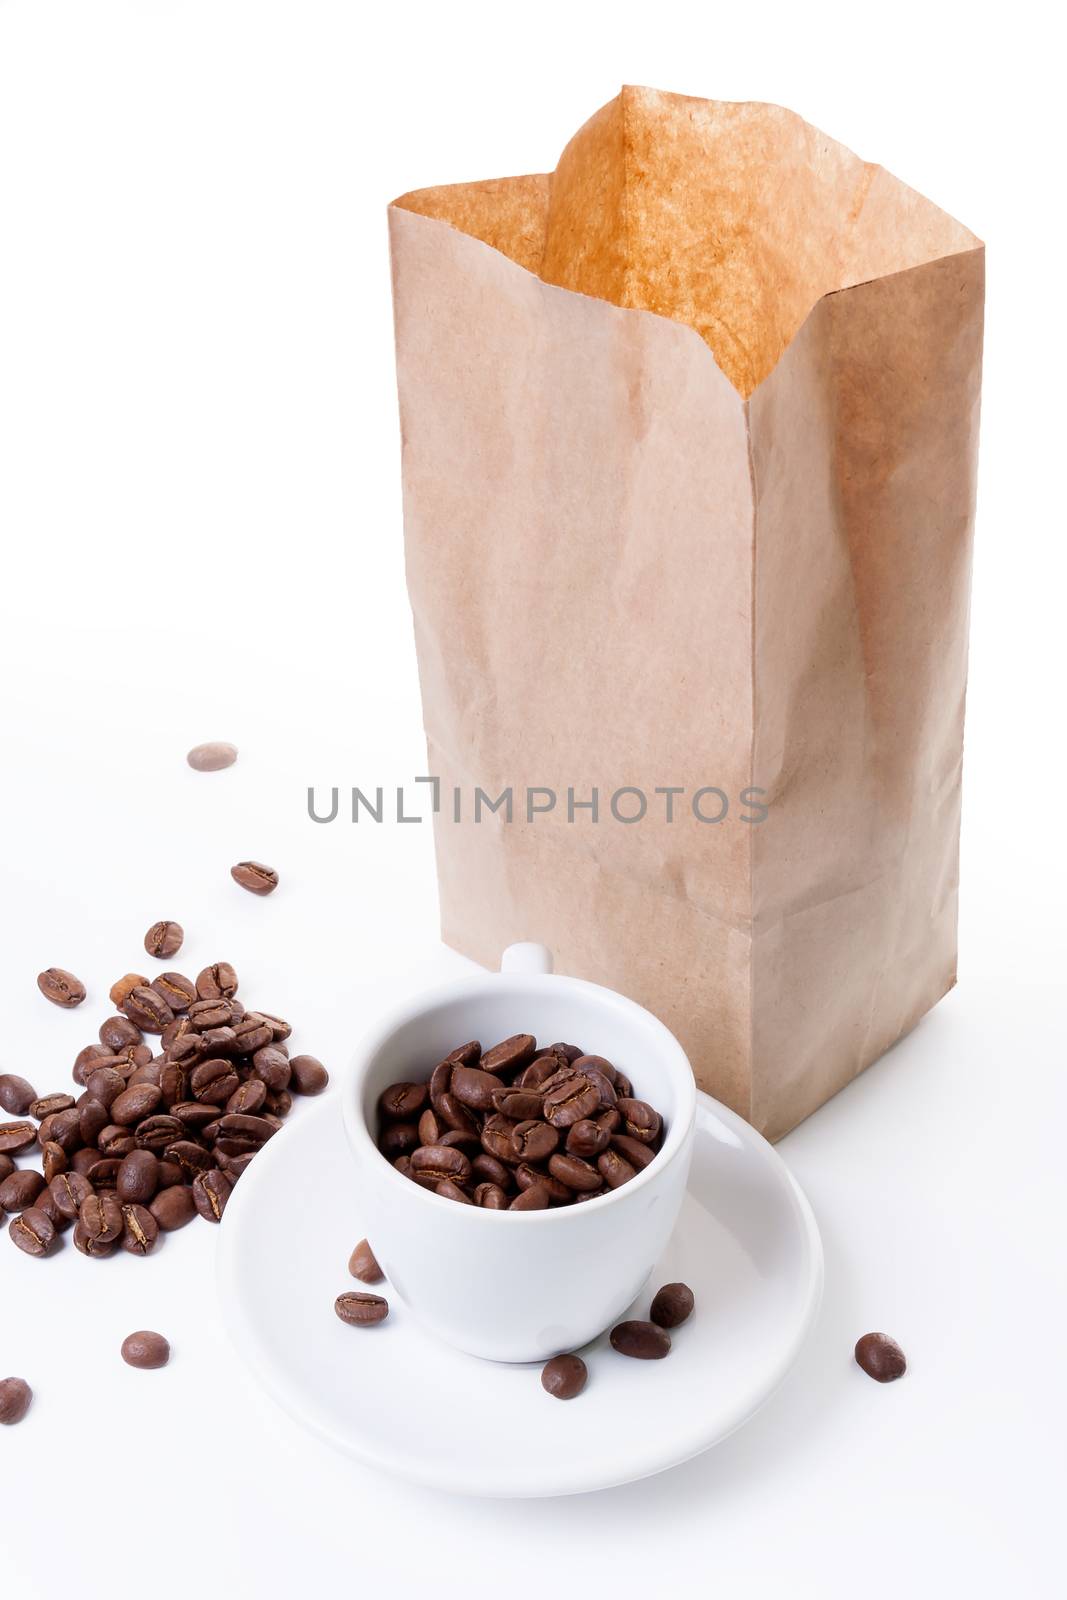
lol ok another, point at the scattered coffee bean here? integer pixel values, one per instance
(33, 1231)
(19, 1190)
(176, 989)
(564, 1376)
(361, 1310)
(164, 939)
(255, 877)
(147, 1009)
(212, 756)
(118, 1033)
(642, 1340)
(173, 1207)
(217, 982)
(16, 1095)
(54, 1160)
(101, 1218)
(145, 1350)
(672, 1305)
(140, 1230)
(880, 1357)
(121, 990)
(49, 1104)
(211, 1191)
(309, 1076)
(362, 1265)
(15, 1397)
(69, 1192)
(16, 1136)
(138, 1177)
(62, 988)
(7, 1167)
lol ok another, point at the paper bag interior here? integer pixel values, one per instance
(735, 218)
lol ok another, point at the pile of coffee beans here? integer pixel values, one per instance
(156, 1137)
(519, 1128)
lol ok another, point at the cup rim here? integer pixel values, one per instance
(362, 1144)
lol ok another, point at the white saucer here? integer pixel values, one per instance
(397, 1399)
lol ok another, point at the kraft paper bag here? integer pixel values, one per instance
(689, 432)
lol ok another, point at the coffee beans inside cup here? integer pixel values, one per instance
(517, 1127)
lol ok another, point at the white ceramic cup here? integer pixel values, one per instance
(520, 1285)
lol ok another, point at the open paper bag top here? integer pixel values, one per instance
(735, 218)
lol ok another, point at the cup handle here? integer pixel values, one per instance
(526, 958)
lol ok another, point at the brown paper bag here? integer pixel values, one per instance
(689, 434)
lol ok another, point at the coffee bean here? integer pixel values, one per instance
(431, 1128)
(403, 1101)
(496, 1138)
(134, 1105)
(62, 988)
(533, 1199)
(509, 1054)
(463, 1138)
(93, 1118)
(212, 756)
(114, 1140)
(614, 1170)
(54, 1160)
(140, 1230)
(571, 1102)
(362, 1264)
(81, 1160)
(155, 1133)
(105, 1085)
(529, 1177)
(473, 1087)
(309, 1075)
(623, 1087)
(672, 1305)
(241, 1125)
(176, 989)
(642, 1340)
(16, 1136)
(164, 939)
(89, 1245)
(521, 1105)
(101, 1217)
(214, 1081)
(248, 1097)
(15, 1397)
(595, 1076)
(440, 1078)
(49, 1104)
(487, 1169)
(33, 1232)
(117, 1033)
(69, 1192)
(104, 1174)
(632, 1150)
(211, 1191)
(538, 1073)
(272, 1066)
(586, 1138)
(173, 1207)
(255, 877)
(252, 1033)
(122, 988)
(217, 982)
(533, 1141)
(880, 1357)
(138, 1177)
(575, 1173)
(361, 1310)
(190, 1158)
(219, 1042)
(451, 1191)
(145, 1350)
(564, 1377)
(432, 1163)
(20, 1190)
(640, 1120)
(148, 1009)
(7, 1167)
(573, 1052)
(491, 1197)
(16, 1095)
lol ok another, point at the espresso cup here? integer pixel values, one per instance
(519, 1285)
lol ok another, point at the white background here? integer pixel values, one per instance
(200, 517)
